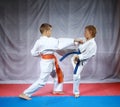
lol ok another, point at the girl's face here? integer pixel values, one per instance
(87, 34)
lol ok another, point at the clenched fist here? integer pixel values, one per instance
(79, 41)
(76, 58)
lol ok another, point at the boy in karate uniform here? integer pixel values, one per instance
(45, 48)
(87, 49)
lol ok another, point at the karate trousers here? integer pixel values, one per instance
(46, 67)
(77, 76)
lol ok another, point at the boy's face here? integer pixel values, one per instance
(49, 32)
(87, 34)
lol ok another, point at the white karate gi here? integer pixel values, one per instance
(88, 49)
(47, 45)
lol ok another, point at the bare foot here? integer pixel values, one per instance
(23, 96)
(76, 95)
(58, 92)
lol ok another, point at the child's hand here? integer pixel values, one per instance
(79, 41)
(76, 58)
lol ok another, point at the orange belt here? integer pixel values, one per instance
(58, 70)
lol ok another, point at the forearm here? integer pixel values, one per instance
(65, 42)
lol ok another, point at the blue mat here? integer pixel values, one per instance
(65, 101)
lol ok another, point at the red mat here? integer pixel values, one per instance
(95, 89)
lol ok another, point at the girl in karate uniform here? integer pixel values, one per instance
(88, 49)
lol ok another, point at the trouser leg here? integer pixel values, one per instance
(38, 84)
(76, 81)
(46, 67)
(76, 78)
(57, 86)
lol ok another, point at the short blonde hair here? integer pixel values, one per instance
(45, 26)
(92, 30)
